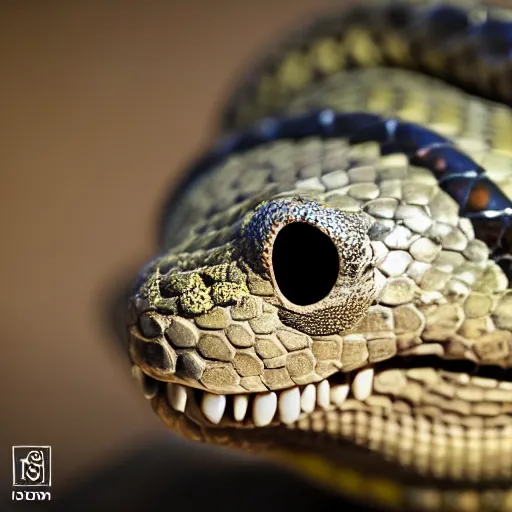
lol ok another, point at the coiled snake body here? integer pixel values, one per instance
(333, 282)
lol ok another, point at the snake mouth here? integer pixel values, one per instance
(425, 418)
(399, 445)
(395, 385)
(268, 409)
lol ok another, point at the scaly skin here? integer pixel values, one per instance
(303, 266)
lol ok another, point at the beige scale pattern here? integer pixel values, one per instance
(220, 360)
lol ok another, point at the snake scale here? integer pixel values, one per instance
(332, 285)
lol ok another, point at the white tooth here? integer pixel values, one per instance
(322, 394)
(177, 396)
(362, 384)
(240, 403)
(308, 398)
(339, 393)
(213, 406)
(170, 392)
(289, 405)
(263, 408)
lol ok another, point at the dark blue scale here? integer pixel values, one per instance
(446, 20)
(492, 36)
(495, 37)
(481, 200)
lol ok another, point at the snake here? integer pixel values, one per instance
(332, 282)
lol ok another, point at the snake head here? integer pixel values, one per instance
(273, 326)
(269, 323)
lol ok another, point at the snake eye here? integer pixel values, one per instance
(305, 262)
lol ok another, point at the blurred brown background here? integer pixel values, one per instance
(102, 105)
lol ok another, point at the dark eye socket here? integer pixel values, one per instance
(305, 262)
